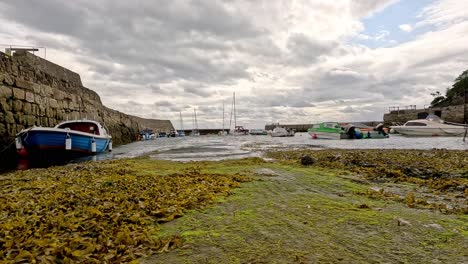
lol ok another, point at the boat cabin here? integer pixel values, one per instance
(83, 126)
(413, 123)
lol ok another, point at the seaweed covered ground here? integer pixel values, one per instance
(343, 206)
(100, 212)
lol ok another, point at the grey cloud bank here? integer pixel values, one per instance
(287, 61)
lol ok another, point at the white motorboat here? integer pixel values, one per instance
(431, 126)
(282, 132)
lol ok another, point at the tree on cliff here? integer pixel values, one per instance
(454, 95)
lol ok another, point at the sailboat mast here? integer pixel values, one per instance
(230, 120)
(235, 121)
(181, 122)
(193, 120)
(223, 116)
(196, 122)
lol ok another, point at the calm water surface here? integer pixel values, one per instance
(217, 147)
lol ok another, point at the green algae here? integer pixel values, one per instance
(313, 215)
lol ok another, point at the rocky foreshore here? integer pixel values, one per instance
(300, 206)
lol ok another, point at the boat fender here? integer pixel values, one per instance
(68, 142)
(93, 145)
(357, 135)
(23, 153)
(314, 136)
(18, 143)
(109, 147)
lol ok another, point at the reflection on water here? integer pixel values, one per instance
(223, 147)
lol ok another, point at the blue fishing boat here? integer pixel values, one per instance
(80, 137)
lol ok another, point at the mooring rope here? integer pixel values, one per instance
(7, 147)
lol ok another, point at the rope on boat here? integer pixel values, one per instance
(7, 147)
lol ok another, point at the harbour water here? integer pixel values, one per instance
(223, 147)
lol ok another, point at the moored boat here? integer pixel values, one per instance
(76, 136)
(258, 132)
(431, 126)
(334, 130)
(239, 131)
(282, 132)
(326, 130)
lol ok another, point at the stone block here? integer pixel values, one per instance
(53, 103)
(3, 130)
(19, 128)
(40, 100)
(24, 84)
(36, 88)
(53, 122)
(9, 117)
(27, 108)
(17, 106)
(46, 91)
(19, 94)
(44, 121)
(11, 129)
(34, 109)
(29, 97)
(59, 95)
(5, 105)
(73, 105)
(30, 120)
(49, 112)
(42, 110)
(5, 92)
(9, 80)
(19, 118)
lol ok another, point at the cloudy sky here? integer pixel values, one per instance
(289, 61)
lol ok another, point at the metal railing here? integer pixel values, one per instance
(405, 107)
(10, 47)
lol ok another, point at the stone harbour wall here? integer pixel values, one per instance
(37, 92)
(453, 113)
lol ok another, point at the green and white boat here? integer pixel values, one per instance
(334, 130)
(327, 130)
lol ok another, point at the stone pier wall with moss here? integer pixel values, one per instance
(37, 92)
(453, 113)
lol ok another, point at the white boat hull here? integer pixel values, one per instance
(430, 132)
(281, 134)
(238, 134)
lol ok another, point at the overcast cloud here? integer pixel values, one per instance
(287, 61)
